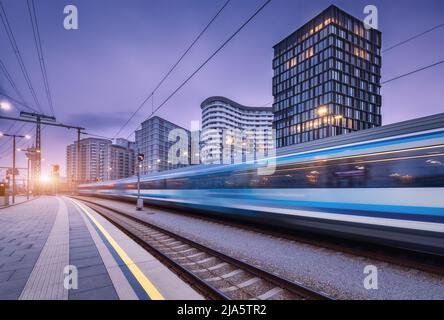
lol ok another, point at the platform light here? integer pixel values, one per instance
(45, 179)
(28, 137)
(5, 105)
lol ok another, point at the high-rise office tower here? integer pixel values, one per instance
(122, 159)
(166, 146)
(100, 160)
(94, 160)
(326, 79)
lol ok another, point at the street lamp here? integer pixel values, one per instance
(30, 152)
(5, 105)
(14, 136)
(140, 158)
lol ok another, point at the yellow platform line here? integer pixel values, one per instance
(146, 284)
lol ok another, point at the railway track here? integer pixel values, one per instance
(214, 274)
(397, 256)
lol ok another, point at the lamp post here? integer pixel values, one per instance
(14, 137)
(30, 154)
(140, 158)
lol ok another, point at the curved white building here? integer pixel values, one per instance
(233, 133)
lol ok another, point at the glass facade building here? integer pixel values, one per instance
(326, 79)
(153, 140)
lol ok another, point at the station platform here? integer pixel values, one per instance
(18, 200)
(55, 248)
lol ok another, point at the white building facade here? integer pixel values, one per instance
(234, 133)
(100, 160)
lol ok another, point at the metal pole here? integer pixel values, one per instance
(13, 169)
(27, 182)
(139, 204)
(138, 187)
(78, 157)
(38, 156)
(138, 181)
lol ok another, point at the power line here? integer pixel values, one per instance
(38, 44)
(173, 67)
(97, 136)
(6, 142)
(210, 57)
(412, 38)
(12, 83)
(412, 72)
(266, 105)
(16, 50)
(17, 102)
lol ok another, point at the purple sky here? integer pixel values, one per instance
(100, 73)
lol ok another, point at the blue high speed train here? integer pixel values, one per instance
(382, 185)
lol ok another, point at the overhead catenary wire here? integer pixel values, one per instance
(14, 86)
(96, 136)
(16, 133)
(173, 67)
(38, 44)
(13, 43)
(17, 102)
(413, 72)
(208, 59)
(22, 142)
(413, 37)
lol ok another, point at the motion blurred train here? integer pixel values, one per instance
(383, 185)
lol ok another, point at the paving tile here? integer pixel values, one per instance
(4, 276)
(92, 270)
(10, 290)
(85, 255)
(24, 229)
(22, 273)
(86, 262)
(105, 293)
(94, 282)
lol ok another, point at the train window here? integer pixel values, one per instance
(412, 168)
